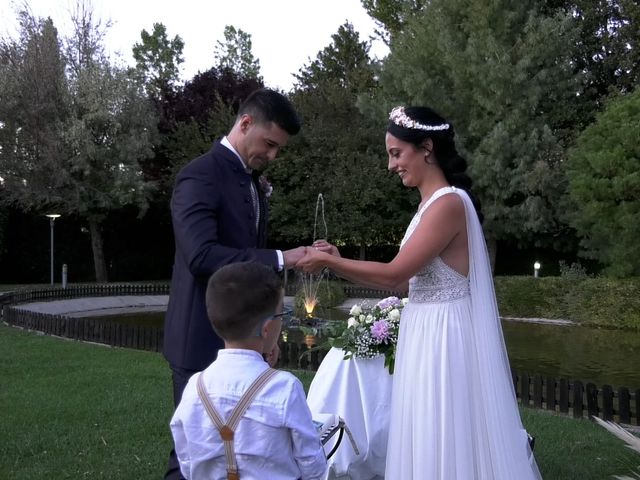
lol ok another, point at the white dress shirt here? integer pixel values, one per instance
(275, 439)
(226, 143)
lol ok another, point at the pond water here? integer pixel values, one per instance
(579, 353)
(608, 357)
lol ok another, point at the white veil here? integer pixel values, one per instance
(500, 424)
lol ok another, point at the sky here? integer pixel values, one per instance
(286, 34)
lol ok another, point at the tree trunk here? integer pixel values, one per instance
(492, 247)
(98, 251)
(363, 252)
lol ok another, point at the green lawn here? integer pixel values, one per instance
(84, 411)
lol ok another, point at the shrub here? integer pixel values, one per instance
(575, 271)
(602, 302)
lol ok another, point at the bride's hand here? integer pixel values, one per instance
(327, 247)
(312, 262)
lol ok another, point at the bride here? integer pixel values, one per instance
(453, 413)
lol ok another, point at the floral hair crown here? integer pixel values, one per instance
(400, 118)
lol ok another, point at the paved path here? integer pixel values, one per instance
(99, 306)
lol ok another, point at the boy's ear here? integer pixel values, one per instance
(266, 326)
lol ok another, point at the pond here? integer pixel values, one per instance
(579, 353)
(604, 357)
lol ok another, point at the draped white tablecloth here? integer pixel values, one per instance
(359, 390)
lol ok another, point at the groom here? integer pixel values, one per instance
(219, 215)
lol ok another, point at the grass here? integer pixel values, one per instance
(73, 410)
(83, 411)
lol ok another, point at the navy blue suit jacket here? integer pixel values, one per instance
(214, 225)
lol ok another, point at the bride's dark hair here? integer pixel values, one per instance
(415, 124)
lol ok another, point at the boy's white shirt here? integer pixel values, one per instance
(276, 438)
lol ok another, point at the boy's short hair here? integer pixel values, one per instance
(240, 296)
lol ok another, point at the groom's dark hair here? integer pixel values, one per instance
(266, 105)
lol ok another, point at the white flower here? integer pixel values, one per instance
(394, 315)
(405, 300)
(361, 318)
(369, 318)
(352, 322)
(355, 310)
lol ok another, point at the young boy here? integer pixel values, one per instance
(274, 438)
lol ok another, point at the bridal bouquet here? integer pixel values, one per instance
(371, 331)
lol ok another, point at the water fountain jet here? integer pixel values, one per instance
(311, 281)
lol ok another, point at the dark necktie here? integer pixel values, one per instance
(254, 200)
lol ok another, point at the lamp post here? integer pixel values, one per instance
(536, 269)
(52, 218)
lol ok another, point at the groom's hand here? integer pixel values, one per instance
(312, 262)
(293, 256)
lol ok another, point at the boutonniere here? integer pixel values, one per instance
(265, 186)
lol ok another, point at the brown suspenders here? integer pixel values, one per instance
(227, 429)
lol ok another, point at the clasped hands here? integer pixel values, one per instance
(310, 259)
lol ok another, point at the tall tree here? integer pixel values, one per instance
(235, 54)
(606, 50)
(34, 104)
(158, 61)
(605, 186)
(71, 142)
(500, 71)
(339, 154)
(391, 16)
(111, 129)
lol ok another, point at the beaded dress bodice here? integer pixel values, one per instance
(436, 282)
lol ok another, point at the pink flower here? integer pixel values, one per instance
(380, 330)
(388, 302)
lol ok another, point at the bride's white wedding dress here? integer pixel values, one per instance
(454, 413)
